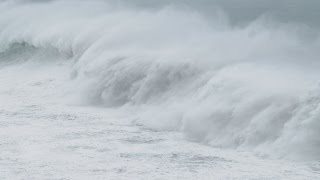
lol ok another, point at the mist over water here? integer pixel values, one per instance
(231, 74)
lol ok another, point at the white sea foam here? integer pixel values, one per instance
(248, 87)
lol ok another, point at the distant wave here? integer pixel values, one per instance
(251, 87)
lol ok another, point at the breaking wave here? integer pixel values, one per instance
(252, 87)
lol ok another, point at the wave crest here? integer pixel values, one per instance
(245, 87)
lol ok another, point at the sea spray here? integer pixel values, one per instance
(250, 87)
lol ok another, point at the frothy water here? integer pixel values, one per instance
(222, 77)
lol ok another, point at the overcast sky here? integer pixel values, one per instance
(303, 11)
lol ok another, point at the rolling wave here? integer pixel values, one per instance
(247, 87)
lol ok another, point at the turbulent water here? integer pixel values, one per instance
(231, 77)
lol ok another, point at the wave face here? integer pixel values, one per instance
(251, 85)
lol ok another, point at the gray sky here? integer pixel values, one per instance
(303, 11)
(240, 11)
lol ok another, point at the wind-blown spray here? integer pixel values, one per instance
(252, 87)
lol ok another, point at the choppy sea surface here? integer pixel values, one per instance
(159, 89)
